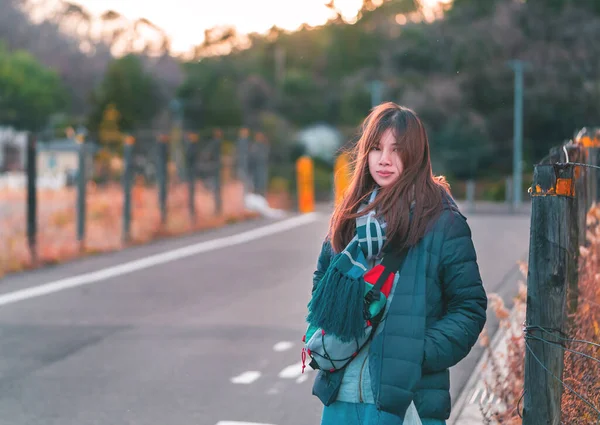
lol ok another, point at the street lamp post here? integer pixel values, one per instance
(517, 66)
(376, 88)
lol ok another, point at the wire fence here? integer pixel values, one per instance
(72, 196)
(561, 278)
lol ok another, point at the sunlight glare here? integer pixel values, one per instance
(186, 21)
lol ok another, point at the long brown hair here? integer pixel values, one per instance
(416, 182)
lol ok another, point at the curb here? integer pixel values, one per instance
(461, 402)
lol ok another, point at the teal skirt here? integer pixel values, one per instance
(342, 413)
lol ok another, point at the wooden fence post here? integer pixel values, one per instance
(191, 147)
(218, 152)
(163, 176)
(127, 182)
(577, 154)
(550, 263)
(592, 175)
(81, 189)
(32, 203)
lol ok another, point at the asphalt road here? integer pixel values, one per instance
(198, 330)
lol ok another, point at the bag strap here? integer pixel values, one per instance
(391, 264)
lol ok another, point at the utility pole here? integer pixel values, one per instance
(518, 67)
(376, 88)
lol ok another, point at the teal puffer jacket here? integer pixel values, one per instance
(427, 331)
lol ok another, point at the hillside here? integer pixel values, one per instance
(454, 71)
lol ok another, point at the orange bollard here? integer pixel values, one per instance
(306, 184)
(341, 176)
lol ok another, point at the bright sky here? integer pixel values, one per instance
(185, 20)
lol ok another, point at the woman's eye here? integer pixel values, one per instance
(375, 148)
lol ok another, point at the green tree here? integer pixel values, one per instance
(355, 104)
(463, 148)
(210, 95)
(304, 100)
(476, 7)
(108, 130)
(29, 92)
(458, 81)
(132, 91)
(559, 5)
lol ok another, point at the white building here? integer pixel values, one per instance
(57, 161)
(13, 149)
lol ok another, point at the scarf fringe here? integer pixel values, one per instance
(337, 305)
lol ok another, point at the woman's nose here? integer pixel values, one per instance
(385, 158)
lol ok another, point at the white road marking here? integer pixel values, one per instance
(483, 396)
(302, 378)
(157, 259)
(475, 395)
(283, 346)
(246, 377)
(294, 371)
(240, 423)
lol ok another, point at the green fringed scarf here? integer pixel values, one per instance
(337, 303)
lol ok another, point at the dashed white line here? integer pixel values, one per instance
(273, 391)
(283, 346)
(246, 377)
(240, 423)
(154, 260)
(302, 378)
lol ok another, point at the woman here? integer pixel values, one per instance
(436, 307)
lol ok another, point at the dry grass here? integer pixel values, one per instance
(57, 234)
(580, 373)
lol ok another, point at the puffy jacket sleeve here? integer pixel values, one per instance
(322, 263)
(450, 339)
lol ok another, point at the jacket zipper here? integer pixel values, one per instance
(362, 367)
(360, 396)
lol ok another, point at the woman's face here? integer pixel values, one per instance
(385, 165)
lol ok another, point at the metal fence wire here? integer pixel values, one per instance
(105, 196)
